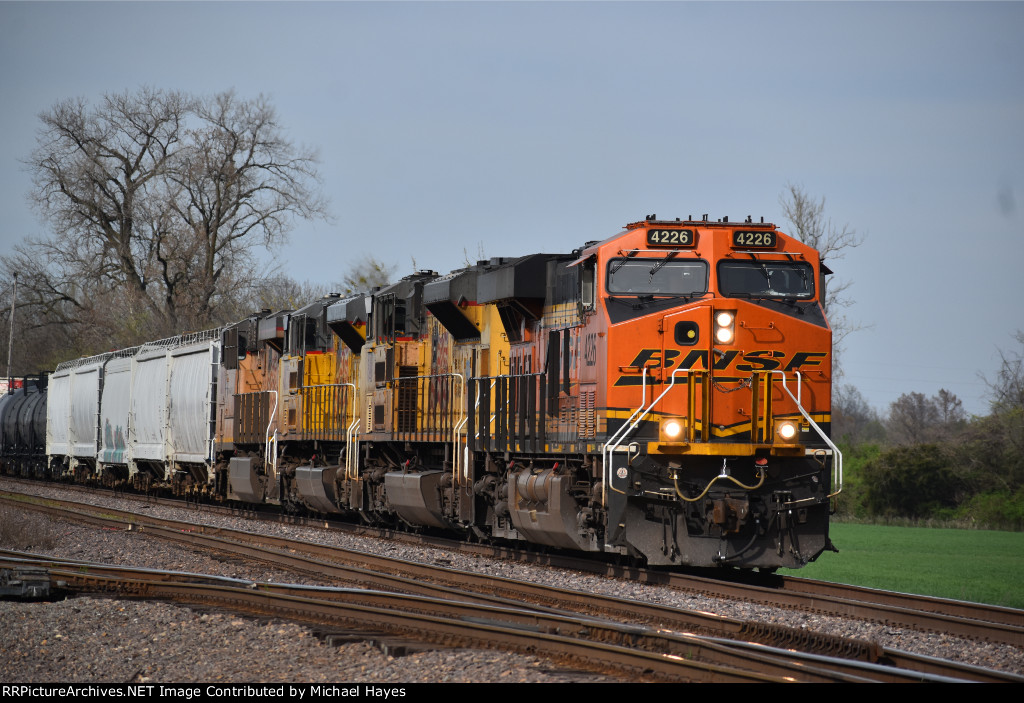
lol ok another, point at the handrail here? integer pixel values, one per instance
(182, 340)
(212, 393)
(330, 417)
(631, 424)
(352, 450)
(459, 415)
(510, 399)
(606, 461)
(837, 463)
(351, 457)
(457, 470)
(620, 435)
(476, 405)
(82, 361)
(457, 467)
(272, 458)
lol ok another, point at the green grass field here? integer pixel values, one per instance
(976, 565)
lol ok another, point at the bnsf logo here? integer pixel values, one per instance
(761, 360)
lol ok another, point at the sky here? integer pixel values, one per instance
(450, 129)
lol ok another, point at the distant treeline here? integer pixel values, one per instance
(926, 460)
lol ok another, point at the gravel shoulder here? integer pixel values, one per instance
(90, 640)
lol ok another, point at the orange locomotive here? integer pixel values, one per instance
(715, 387)
(663, 394)
(682, 376)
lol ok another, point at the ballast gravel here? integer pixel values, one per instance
(104, 640)
(90, 640)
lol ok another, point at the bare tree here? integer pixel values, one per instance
(480, 255)
(1007, 390)
(812, 227)
(236, 184)
(912, 419)
(93, 170)
(1002, 432)
(950, 410)
(917, 419)
(281, 292)
(158, 201)
(853, 419)
(365, 274)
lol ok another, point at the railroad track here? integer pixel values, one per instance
(441, 622)
(371, 571)
(633, 652)
(924, 613)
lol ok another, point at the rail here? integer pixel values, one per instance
(327, 411)
(958, 618)
(182, 340)
(508, 412)
(427, 408)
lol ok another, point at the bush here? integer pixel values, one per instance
(851, 502)
(998, 510)
(911, 481)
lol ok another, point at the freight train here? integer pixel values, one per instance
(663, 395)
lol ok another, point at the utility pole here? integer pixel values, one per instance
(10, 338)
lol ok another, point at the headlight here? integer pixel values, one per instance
(672, 428)
(786, 430)
(724, 324)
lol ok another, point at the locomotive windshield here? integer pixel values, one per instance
(765, 279)
(665, 276)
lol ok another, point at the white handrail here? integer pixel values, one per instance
(476, 405)
(629, 426)
(268, 440)
(352, 450)
(837, 463)
(457, 464)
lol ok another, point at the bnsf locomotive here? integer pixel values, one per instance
(663, 394)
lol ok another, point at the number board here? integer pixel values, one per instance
(754, 239)
(671, 238)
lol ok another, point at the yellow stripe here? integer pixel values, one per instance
(718, 449)
(716, 431)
